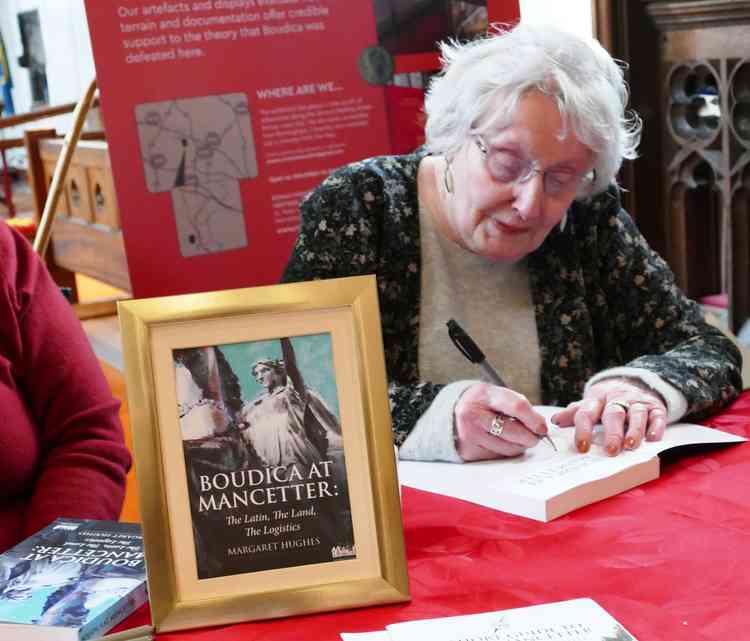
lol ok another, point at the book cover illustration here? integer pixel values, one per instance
(76, 578)
(264, 455)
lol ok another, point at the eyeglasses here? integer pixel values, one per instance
(507, 167)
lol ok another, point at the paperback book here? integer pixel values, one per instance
(544, 484)
(71, 581)
(573, 620)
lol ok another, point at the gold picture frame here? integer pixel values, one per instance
(202, 455)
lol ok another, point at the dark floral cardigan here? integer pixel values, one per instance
(602, 298)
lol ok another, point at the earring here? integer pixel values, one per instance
(448, 177)
(564, 221)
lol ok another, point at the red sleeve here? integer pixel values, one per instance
(83, 459)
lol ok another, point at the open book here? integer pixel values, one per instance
(544, 484)
(574, 620)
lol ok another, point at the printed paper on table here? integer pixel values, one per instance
(574, 620)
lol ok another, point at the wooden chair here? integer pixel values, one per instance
(11, 143)
(44, 233)
(79, 204)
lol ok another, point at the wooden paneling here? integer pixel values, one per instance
(63, 208)
(87, 236)
(102, 197)
(77, 191)
(90, 250)
(689, 73)
(38, 180)
(697, 14)
(705, 43)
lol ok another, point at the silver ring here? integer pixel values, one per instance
(497, 426)
(624, 404)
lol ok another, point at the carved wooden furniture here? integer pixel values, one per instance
(86, 234)
(690, 190)
(10, 143)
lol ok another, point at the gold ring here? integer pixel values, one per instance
(497, 426)
(624, 404)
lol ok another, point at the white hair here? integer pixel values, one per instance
(496, 71)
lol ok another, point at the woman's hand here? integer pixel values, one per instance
(518, 428)
(628, 410)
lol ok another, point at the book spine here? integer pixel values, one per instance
(114, 614)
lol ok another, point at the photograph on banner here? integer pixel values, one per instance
(409, 33)
(263, 438)
(416, 26)
(264, 454)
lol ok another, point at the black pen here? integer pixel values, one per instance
(470, 349)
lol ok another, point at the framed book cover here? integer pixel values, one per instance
(264, 452)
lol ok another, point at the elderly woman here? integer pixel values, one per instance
(509, 220)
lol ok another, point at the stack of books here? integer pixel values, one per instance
(72, 581)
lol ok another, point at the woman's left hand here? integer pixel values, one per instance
(628, 411)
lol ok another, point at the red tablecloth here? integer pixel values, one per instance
(669, 559)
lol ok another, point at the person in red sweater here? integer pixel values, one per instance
(62, 451)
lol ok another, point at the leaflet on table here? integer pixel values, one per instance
(574, 620)
(381, 635)
(544, 484)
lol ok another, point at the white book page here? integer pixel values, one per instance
(381, 635)
(543, 473)
(574, 620)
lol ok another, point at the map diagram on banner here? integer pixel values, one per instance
(199, 149)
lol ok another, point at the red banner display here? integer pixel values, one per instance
(221, 114)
